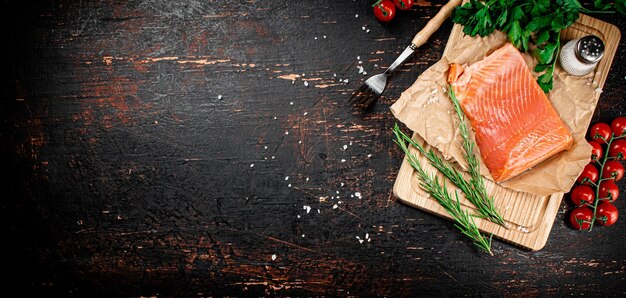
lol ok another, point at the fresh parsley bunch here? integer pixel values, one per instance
(529, 22)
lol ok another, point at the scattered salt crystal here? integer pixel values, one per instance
(369, 155)
(332, 198)
(302, 74)
(361, 240)
(265, 158)
(356, 15)
(350, 143)
(286, 178)
(335, 75)
(360, 62)
(358, 57)
(298, 215)
(337, 192)
(339, 202)
(345, 147)
(342, 184)
(352, 196)
(335, 206)
(273, 157)
(274, 117)
(367, 31)
(315, 37)
(302, 235)
(306, 84)
(265, 147)
(434, 91)
(287, 132)
(346, 81)
(273, 257)
(363, 28)
(367, 235)
(318, 211)
(365, 73)
(291, 103)
(305, 113)
(307, 178)
(307, 208)
(293, 82)
(369, 239)
(252, 165)
(289, 185)
(357, 237)
(324, 36)
(219, 97)
(598, 90)
(357, 194)
(375, 65)
(343, 160)
(300, 142)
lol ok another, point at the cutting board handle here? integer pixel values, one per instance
(434, 23)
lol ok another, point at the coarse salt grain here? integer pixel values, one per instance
(342, 184)
(298, 216)
(350, 143)
(289, 185)
(315, 37)
(365, 73)
(343, 160)
(307, 208)
(273, 157)
(367, 31)
(306, 113)
(335, 206)
(286, 132)
(345, 147)
(291, 103)
(307, 178)
(346, 81)
(361, 240)
(265, 147)
(357, 194)
(363, 28)
(219, 97)
(286, 178)
(324, 36)
(335, 75)
(356, 15)
(302, 235)
(306, 84)
(252, 165)
(273, 257)
(358, 57)
(369, 155)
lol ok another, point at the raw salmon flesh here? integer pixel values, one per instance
(515, 125)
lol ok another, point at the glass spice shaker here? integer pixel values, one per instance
(580, 56)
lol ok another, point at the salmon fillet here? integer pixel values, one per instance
(515, 125)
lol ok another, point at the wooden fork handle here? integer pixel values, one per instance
(434, 23)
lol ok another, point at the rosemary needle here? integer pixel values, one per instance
(479, 196)
(463, 220)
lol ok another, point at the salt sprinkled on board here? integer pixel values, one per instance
(287, 132)
(289, 185)
(369, 155)
(315, 37)
(273, 157)
(598, 90)
(265, 147)
(302, 235)
(350, 143)
(306, 84)
(307, 179)
(343, 160)
(358, 57)
(356, 15)
(342, 184)
(286, 178)
(307, 208)
(324, 36)
(219, 97)
(346, 81)
(273, 257)
(363, 28)
(298, 216)
(345, 147)
(335, 206)
(367, 31)
(365, 73)
(305, 113)
(357, 194)
(291, 103)
(335, 75)
(252, 165)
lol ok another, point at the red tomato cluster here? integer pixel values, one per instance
(385, 10)
(596, 189)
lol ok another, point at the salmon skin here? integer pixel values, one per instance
(515, 124)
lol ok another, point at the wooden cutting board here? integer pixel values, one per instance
(530, 216)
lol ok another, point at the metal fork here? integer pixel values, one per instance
(375, 85)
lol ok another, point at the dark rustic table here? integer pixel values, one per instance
(172, 148)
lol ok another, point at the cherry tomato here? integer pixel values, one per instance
(618, 149)
(619, 126)
(580, 218)
(613, 169)
(384, 10)
(403, 4)
(608, 188)
(600, 132)
(596, 151)
(582, 194)
(590, 173)
(606, 214)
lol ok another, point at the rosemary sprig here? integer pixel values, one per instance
(479, 196)
(463, 220)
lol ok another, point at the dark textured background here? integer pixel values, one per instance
(128, 176)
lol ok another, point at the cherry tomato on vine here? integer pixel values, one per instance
(596, 151)
(590, 173)
(608, 188)
(606, 214)
(580, 218)
(600, 132)
(619, 126)
(384, 10)
(613, 169)
(618, 149)
(403, 4)
(582, 194)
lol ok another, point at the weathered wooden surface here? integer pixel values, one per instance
(129, 176)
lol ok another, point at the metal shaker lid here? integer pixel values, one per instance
(589, 49)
